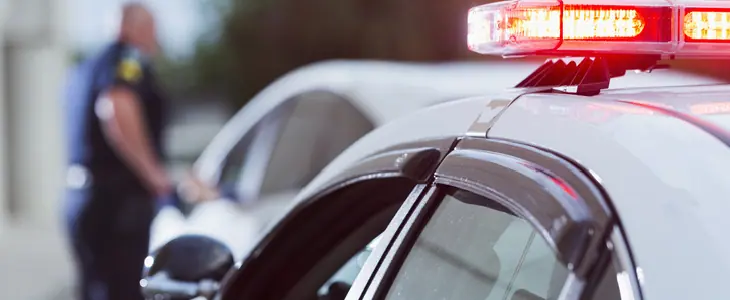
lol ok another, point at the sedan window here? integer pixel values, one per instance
(318, 250)
(231, 169)
(319, 128)
(347, 274)
(473, 248)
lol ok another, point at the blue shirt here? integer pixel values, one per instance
(118, 65)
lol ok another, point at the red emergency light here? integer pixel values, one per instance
(652, 27)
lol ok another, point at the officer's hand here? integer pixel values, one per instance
(161, 186)
(194, 190)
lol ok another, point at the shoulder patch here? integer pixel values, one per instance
(130, 69)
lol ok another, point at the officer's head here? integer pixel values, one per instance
(138, 28)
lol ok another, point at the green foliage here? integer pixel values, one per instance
(206, 71)
(260, 40)
(272, 37)
(257, 41)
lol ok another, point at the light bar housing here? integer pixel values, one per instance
(595, 27)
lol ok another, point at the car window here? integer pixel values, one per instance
(319, 128)
(348, 273)
(307, 258)
(232, 165)
(473, 248)
(242, 170)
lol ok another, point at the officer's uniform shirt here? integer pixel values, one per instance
(92, 160)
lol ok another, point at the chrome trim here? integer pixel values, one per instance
(629, 270)
(573, 288)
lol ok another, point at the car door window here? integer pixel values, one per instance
(320, 259)
(350, 270)
(319, 128)
(474, 248)
(231, 167)
(242, 169)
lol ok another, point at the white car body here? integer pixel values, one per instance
(380, 91)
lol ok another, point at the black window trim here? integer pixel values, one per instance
(587, 211)
(414, 161)
(568, 232)
(401, 244)
(590, 195)
(588, 185)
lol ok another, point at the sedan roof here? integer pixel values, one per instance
(657, 153)
(385, 91)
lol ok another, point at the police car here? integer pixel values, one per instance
(560, 188)
(276, 144)
(257, 157)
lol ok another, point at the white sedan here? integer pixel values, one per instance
(291, 130)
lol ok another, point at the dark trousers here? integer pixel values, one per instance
(110, 231)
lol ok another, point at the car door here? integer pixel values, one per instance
(319, 247)
(503, 221)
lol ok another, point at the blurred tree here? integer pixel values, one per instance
(260, 40)
(272, 37)
(206, 72)
(257, 41)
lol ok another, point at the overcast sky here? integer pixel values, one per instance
(90, 22)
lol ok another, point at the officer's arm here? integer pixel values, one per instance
(120, 112)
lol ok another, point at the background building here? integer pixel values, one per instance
(33, 56)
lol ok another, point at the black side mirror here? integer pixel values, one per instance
(187, 267)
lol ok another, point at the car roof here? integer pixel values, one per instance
(710, 103)
(666, 177)
(382, 90)
(386, 90)
(456, 116)
(420, 125)
(666, 174)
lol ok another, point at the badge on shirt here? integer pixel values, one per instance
(130, 70)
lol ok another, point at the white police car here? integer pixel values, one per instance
(560, 188)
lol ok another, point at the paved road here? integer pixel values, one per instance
(34, 264)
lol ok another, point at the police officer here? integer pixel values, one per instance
(115, 119)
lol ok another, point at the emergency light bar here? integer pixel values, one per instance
(590, 27)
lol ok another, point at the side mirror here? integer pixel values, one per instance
(187, 267)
